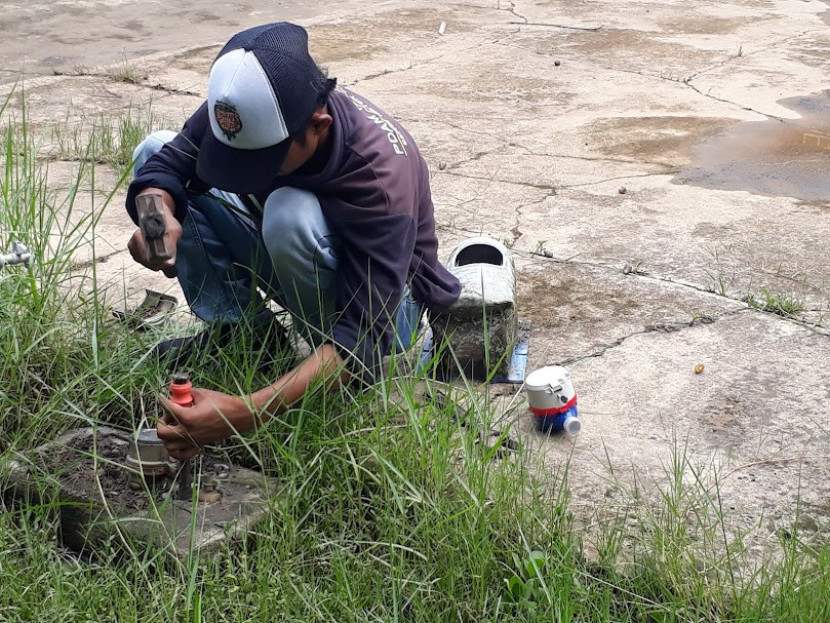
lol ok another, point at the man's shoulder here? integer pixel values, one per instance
(372, 130)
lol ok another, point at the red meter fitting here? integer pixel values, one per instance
(180, 387)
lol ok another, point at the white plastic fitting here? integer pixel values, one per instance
(572, 425)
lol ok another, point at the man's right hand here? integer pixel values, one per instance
(138, 247)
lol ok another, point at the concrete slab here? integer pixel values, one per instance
(533, 116)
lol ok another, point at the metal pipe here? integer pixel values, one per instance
(19, 255)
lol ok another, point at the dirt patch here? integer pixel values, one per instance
(353, 40)
(691, 24)
(96, 471)
(495, 85)
(618, 45)
(664, 140)
(811, 51)
(198, 60)
(551, 303)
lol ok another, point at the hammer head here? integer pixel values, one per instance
(150, 211)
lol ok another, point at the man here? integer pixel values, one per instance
(284, 184)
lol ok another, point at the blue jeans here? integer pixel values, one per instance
(227, 264)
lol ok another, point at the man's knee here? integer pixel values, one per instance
(150, 146)
(293, 225)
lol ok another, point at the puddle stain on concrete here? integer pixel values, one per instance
(661, 140)
(787, 158)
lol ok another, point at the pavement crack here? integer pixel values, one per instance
(730, 102)
(516, 231)
(99, 259)
(512, 10)
(508, 143)
(384, 72)
(565, 26)
(669, 171)
(474, 158)
(636, 272)
(546, 187)
(170, 90)
(425, 62)
(660, 327)
(686, 82)
(115, 78)
(600, 352)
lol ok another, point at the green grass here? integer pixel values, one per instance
(779, 304)
(389, 509)
(114, 137)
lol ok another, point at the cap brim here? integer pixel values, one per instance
(239, 170)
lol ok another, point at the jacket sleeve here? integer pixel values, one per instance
(373, 265)
(173, 168)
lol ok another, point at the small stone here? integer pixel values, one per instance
(209, 497)
(557, 63)
(622, 190)
(442, 166)
(699, 368)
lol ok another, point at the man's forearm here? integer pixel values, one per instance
(280, 395)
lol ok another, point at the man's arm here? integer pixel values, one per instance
(173, 168)
(215, 416)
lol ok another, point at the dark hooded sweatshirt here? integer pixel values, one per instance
(374, 193)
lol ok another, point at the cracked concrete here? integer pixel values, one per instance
(532, 115)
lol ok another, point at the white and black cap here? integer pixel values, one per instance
(263, 87)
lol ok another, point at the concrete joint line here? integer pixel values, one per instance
(498, 181)
(565, 26)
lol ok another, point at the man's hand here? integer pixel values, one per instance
(138, 247)
(214, 416)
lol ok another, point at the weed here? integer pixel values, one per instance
(779, 304)
(115, 137)
(128, 73)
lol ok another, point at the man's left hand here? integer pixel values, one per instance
(214, 416)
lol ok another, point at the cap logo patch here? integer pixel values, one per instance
(227, 119)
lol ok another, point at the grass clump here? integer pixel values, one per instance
(775, 303)
(114, 137)
(53, 326)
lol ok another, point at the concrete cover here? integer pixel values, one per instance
(478, 333)
(561, 128)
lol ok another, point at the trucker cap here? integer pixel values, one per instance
(263, 87)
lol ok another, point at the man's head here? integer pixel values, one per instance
(264, 88)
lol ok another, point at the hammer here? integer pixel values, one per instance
(150, 209)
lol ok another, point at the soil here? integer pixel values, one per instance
(91, 470)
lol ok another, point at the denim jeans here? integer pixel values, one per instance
(228, 265)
